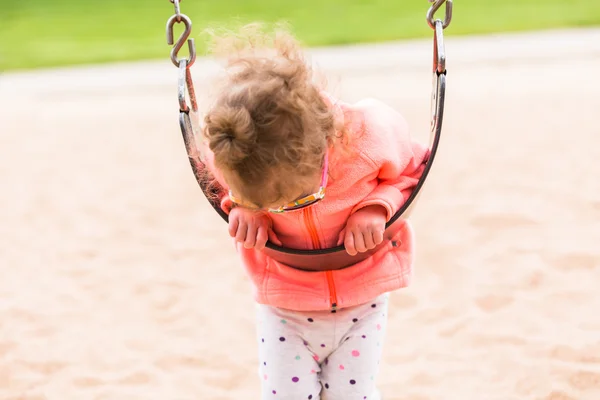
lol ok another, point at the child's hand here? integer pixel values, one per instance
(364, 230)
(251, 228)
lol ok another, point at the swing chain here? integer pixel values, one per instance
(185, 84)
(178, 18)
(177, 8)
(437, 4)
(438, 92)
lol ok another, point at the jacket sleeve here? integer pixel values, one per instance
(398, 161)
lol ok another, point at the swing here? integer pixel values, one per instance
(321, 259)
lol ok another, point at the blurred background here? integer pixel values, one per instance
(119, 282)
(45, 33)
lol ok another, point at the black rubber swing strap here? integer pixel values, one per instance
(325, 259)
(336, 257)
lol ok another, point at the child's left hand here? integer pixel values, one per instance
(364, 230)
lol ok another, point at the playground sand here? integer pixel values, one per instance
(118, 281)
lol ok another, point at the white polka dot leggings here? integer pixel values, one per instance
(321, 355)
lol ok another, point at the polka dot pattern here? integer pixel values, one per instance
(295, 352)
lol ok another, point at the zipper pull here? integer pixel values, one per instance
(334, 308)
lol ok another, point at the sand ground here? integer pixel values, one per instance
(117, 280)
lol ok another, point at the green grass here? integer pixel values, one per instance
(42, 33)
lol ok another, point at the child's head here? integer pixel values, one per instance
(269, 127)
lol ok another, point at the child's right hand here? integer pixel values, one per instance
(252, 228)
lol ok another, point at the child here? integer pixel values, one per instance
(306, 171)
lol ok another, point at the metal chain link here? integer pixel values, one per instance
(437, 4)
(178, 18)
(177, 9)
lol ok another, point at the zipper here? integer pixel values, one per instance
(332, 293)
(314, 236)
(312, 229)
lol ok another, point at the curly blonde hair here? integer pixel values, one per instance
(269, 126)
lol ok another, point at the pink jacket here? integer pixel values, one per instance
(382, 166)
